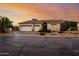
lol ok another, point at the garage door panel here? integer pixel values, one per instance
(28, 28)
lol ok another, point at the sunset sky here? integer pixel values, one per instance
(23, 12)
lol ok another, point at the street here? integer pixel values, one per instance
(38, 46)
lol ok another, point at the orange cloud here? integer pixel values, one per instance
(21, 12)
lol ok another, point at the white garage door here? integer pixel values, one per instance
(26, 28)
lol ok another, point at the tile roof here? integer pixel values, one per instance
(34, 21)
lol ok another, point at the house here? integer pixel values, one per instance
(35, 25)
(15, 28)
(78, 26)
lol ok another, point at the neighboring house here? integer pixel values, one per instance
(35, 25)
(15, 28)
(78, 25)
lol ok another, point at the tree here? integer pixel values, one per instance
(44, 27)
(73, 26)
(68, 25)
(5, 24)
(65, 25)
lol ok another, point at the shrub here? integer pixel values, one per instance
(47, 31)
(72, 25)
(61, 32)
(42, 33)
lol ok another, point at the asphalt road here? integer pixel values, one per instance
(38, 46)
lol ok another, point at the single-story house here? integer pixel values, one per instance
(78, 25)
(35, 25)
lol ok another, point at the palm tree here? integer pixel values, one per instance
(5, 24)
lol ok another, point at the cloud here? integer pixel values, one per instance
(9, 12)
(56, 10)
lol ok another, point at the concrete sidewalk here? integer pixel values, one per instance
(35, 34)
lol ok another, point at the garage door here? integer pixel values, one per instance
(26, 28)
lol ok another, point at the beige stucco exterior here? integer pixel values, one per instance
(57, 27)
(49, 26)
(78, 26)
(54, 27)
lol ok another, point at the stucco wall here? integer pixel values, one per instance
(78, 26)
(55, 27)
(49, 26)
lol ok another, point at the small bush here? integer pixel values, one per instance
(42, 33)
(61, 32)
(47, 31)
